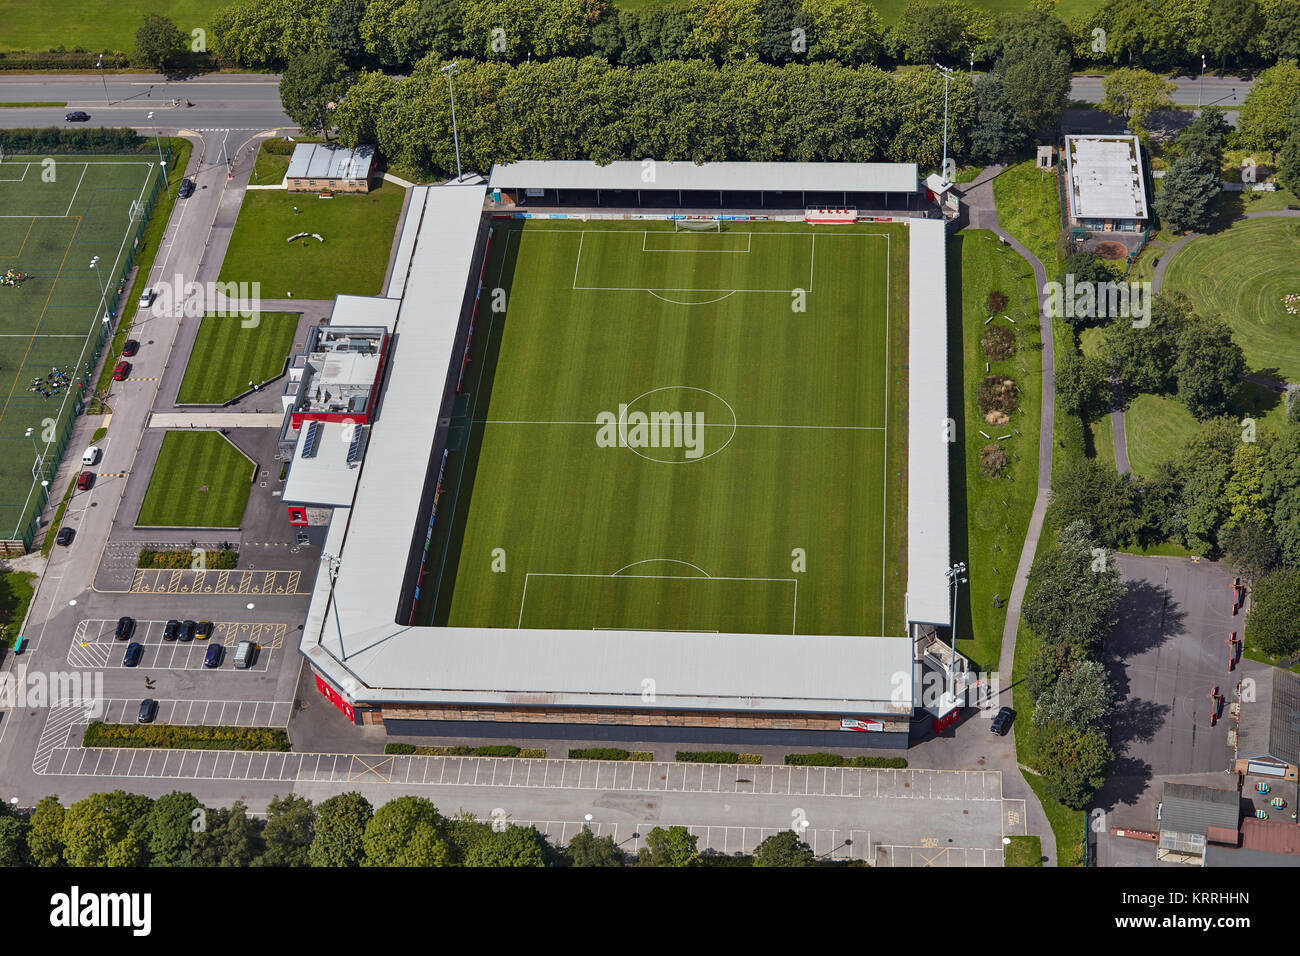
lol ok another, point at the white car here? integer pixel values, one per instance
(147, 297)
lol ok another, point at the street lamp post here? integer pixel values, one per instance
(334, 561)
(957, 575)
(103, 292)
(103, 80)
(1201, 90)
(451, 69)
(947, 73)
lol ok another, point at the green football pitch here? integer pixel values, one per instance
(690, 431)
(56, 216)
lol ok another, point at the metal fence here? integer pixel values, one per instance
(84, 378)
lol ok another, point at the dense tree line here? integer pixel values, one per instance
(678, 110)
(127, 829)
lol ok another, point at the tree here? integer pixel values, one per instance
(784, 849)
(1232, 31)
(1282, 491)
(1190, 198)
(1250, 548)
(1134, 95)
(785, 30)
(343, 31)
(45, 835)
(1163, 517)
(1274, 610)
(232, 838)
(159, 43)
(585, 849)
(1280, 39)
(1074, 590)
(267, 33)
(930, 29)
(998, 131)
(340, 830)
(1037, 76)
(171, 829)
(1074, 764)
(1032, 25)
(1288, 166)
(1263, 120)
(1209, 367)
(14, 833)
(723, 30)
(1207, 467)
(672, 847)
(99, 831)
(849, 31)
(1204, 136)
(1143, 356)
(310, 83)
(438, 28)
(289, 832)
(406, 832)
(1081, 698)
(514, 846)
(1092, 492)
(1049, 662)
(1083, 386)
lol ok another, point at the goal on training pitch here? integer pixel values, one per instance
(698, 225)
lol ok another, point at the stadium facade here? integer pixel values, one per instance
(378, 667)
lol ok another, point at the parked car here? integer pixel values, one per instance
(186, 189)
(85, 480)
(121, 371)
(204, 630)
(125, 628)
(130, 347)
(147, 296)
(187, 631)
(213, 657)
(65, 536)
(76, 116)
(91, 455)
(148, 711)
(171, 630)
(133, 654)
(1002, 721)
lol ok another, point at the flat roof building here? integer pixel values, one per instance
(1105, 185)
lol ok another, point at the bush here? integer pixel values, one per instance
(716, 756)
(997, 399)
(99, 734)
(89, 139)
(278, 146)
(598, 753)
(399, 748)
(996, 302)
(836, 760)
(463, 750)
(224, 559)
(531, 753)
(993, 460)
(999, 342)
(643, 755)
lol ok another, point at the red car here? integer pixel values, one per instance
(85, 480)
(130, 347)
(121, 371)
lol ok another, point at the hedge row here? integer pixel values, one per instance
(836, 760)
(87, 139)
(609, 753)
(224, 559)
(488, 750)
(99, 734)
(716, 756)
(61, 60)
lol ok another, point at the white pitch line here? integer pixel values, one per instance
(860, 428)
(77, 189)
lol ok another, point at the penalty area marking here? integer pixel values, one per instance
(794, 620)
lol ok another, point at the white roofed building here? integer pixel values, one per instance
(1105, 184)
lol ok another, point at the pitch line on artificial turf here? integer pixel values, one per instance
(856, 428)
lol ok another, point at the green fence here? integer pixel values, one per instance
(48, 465)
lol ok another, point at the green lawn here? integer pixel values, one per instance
(1029, 207)
(789, 517)
(1243, 274)
(269, 169)
(358, 232)
(199, 481)
(16, 590)
(1024, 851)
(990, 515)
(93, 24)
(227, 356)
(1067, 825)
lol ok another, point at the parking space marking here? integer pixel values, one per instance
(188, 581)
(94, 646)
(894, 855)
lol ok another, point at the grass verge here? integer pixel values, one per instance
(1024, 851)
(200, 480)
(99, 734)
(227, 356)
(16, 590)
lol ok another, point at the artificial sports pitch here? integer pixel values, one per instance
(683, 430)
(56, 215)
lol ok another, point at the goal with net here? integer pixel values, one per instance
(698, 225)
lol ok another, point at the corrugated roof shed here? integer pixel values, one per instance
(330, 161)
(1270, 724)
(1188, 808)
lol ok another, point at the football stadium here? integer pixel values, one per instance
(660, 456)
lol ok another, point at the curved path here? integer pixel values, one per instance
(1118, 432)
(981, 212)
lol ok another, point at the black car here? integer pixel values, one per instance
(186, 189)
(213, 657)
(65, 536)
(187, 631)
(172, 630)
(148, 711)
(1002, 721)
(125, 628)
(77, 116)
(130, 347)
(133, 654)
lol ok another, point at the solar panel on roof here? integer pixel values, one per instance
(354, 447)
(312, 440)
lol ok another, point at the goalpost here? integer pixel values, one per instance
(708, 224)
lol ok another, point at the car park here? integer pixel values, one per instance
(76, 116)
(148, 711)
(85, 480)
(171, 630)
(1002, 721)
(133, 654)
(65, 536)
(187, 631)
(121, 371)
(186, 189)
(203, 631)
(125, 628)
(130, 347)
(213, 657)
